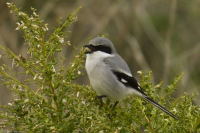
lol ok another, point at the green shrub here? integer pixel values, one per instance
(49, 100)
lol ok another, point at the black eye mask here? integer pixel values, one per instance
(97, 48)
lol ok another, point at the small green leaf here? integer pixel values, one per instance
(66, 115)
(55, 97)
(59, 50)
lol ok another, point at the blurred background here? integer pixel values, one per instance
(158, 35)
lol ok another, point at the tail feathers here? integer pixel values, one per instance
(160, 107)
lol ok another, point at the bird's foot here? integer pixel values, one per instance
(100, 98)
(113, 114)
(115, 104)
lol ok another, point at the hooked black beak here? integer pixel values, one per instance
(90, 47)
(86, 46)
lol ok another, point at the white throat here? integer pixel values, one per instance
(95, 59)
(98, 55)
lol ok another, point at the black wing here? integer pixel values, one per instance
(128, 81)
(132, 82)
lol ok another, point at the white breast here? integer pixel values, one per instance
(103, 81)
(95, 60)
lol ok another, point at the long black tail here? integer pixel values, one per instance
(160, 107)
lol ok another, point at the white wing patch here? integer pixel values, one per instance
(139, 88)
(123, 80)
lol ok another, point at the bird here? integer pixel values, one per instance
(110, 76)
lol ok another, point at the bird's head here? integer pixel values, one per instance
(100, 44)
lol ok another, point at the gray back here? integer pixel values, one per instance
(118, 64)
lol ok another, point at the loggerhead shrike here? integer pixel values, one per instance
(109, 74)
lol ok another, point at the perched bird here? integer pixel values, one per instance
(109, 74)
